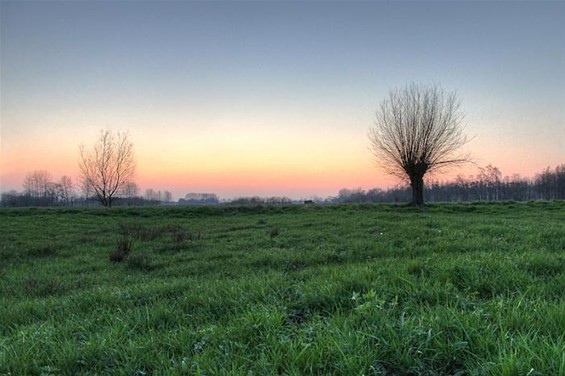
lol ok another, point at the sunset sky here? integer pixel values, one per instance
(271, 98)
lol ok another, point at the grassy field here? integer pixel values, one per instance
(455, 289)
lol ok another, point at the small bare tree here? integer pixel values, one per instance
(108, 167)
(418, 130)
(38, 184)
(167, 196)
(131, 190)
(65, 187)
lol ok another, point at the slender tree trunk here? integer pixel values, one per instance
(417, 185)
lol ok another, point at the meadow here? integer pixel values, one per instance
(451, 289)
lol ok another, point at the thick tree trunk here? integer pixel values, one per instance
(105, 201)
(417, 184)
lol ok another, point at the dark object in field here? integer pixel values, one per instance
(275, 231)
(124, 247)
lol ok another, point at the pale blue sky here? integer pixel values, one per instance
(192, 71)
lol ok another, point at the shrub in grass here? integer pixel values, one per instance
(418, 268)
(41, 287)
(178, 234)
(274, 232)
(171, 228)
(43, 250)
(262, 222)
(139, 231)
(181, 236)
(542, 266)
(140, 261)
(124, 246)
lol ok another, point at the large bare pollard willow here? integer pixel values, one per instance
(108, 168)
(418, 130)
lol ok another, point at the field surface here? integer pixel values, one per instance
(455, 289)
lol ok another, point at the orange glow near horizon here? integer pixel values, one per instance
(245, 162)
(269, 163)
(249, 162)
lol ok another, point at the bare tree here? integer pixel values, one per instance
(490, 179)
(131, 190)
(37, 184)
(418, 130)
(152, 195)
(108, 167)
(167, 196)
(66, 189)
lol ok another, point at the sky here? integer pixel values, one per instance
(271, 98)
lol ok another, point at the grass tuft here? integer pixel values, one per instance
(140, 261)
(124, 246)
(274, 232)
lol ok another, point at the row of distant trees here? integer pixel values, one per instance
(255, 200)
(41, 189)
(199, 199)
(487, 185)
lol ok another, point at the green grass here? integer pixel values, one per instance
(454, 289)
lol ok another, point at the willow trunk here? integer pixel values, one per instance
(417, 185)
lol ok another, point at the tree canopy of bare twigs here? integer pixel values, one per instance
(418, 130)
(38, 183)
(108, 168)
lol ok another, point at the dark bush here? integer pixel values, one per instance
(140, 261)
(124, 246)
(139, 231)
(182, 236)
(43, 250)
(274, 232)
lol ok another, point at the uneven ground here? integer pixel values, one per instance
(466, 289)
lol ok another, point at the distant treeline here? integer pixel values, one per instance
(487, 185)
(199, 199)
(16, 199)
